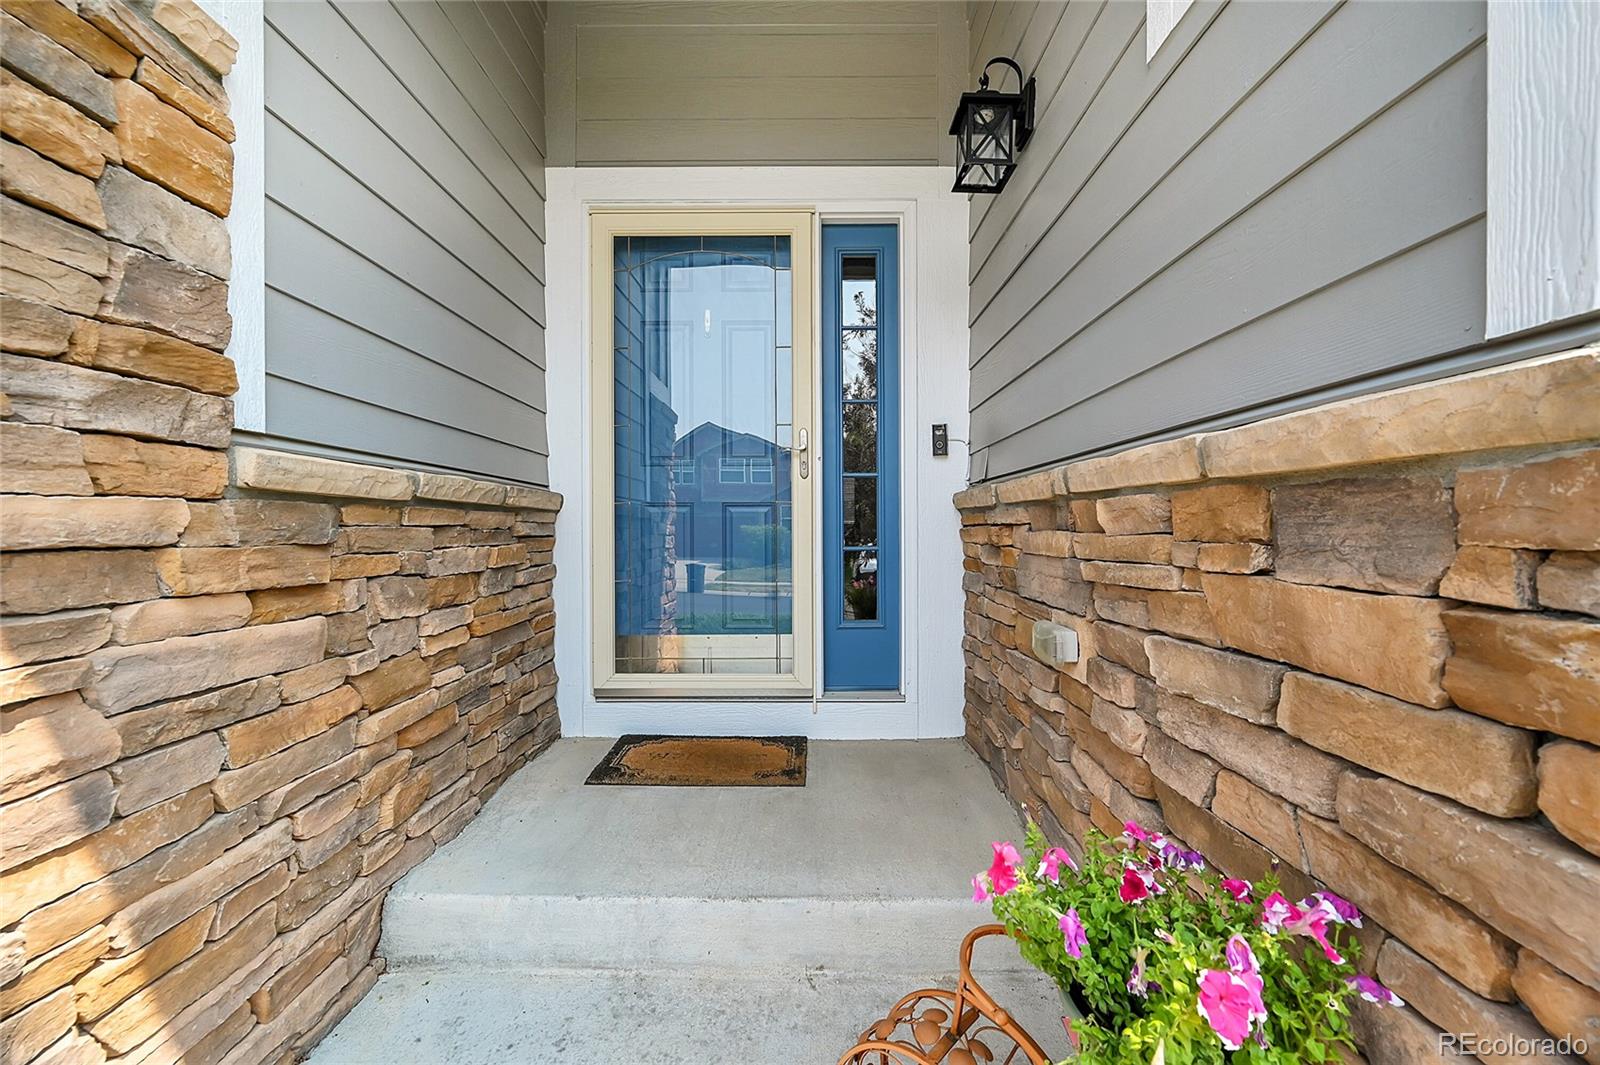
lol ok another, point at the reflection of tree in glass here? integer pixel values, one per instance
(860, 382)
(861, 511)
(860, 438)
(863, 346)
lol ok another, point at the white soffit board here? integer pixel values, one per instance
(1544, 163)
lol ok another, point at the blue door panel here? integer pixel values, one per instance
(861, 457)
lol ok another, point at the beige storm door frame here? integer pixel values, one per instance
(702, 379)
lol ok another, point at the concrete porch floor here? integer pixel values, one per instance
(582, 924)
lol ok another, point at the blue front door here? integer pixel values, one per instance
(861, 457)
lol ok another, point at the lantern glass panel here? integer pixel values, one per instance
(979, 177)
(988, 133)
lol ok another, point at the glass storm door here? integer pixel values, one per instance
(860, 458)
(705, 477)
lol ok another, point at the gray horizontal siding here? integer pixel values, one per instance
(1289, 198)
(720, 82)
(308, 414)
(405, 233)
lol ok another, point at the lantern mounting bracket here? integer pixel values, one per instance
(1025, 114)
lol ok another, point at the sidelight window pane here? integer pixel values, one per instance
(860, 438)
(859, 305)
(860, 585)
(858, 353)
(860, 511)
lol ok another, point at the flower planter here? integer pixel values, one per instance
(1189, 967)
(1073, 1008)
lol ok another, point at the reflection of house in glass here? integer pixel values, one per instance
(646, 424)
(731, 528)
(703, 521)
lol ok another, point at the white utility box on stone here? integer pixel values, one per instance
(1054, 644)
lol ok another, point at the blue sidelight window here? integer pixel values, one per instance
(861, 457)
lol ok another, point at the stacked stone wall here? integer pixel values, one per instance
(242, 692)
(1357, 647)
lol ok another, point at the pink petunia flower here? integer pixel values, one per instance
(1054, 859)
(1072, 931)
(1279, 914)
(1134, 889)
(1003, 870)
(1314, 924)
(1132, 833)
(1275, 910)
(1239, 889)
(1231, 1004)
(1338, 910)
(980, 890)
(1240, 958)
(1372, 991)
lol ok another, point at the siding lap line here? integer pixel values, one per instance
(1035, 175)
(1143, 105)
(335, 83)
(445, 128)
(1354, 130)
(318, 149)
(1190, 150)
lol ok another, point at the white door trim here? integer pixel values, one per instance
(933, 225)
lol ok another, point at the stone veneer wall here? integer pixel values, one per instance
(236, 704)
(1358, 644)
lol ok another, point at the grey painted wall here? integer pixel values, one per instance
(1286, 201)
(405, 233)
(753, 81)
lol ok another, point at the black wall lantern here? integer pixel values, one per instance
(991, 128)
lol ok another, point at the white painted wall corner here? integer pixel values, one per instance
(247, 279)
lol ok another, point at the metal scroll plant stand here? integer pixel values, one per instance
(937, 1027)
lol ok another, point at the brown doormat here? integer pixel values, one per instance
(704, 762)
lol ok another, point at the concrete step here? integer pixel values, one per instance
(866, 868)
(600, 924)
(899, 935)
(673, 1017)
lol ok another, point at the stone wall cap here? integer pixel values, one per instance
(978, 497)
(1165, 462)
(268, 470)
(451, 488)
(199, 32)
(526, 497)
(1551, 399)
(1038, 487)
